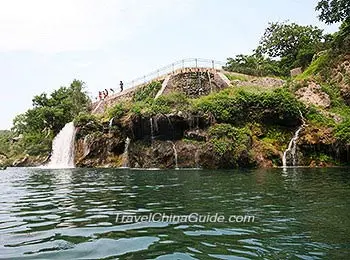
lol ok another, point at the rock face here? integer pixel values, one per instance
(318, 147)
(296, 72)
(341, 75)
(105, 148)
(265, 82)
(313, 95)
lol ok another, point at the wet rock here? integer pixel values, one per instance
(21, 162)
(197, 135)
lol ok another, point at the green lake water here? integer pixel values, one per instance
(299, 213)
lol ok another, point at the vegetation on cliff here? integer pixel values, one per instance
(234, 127)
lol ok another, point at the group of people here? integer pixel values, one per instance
(104, 94)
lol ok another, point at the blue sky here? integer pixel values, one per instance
(46, 44)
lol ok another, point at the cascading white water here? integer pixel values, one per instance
(125, 162)
(111, 122)
(196, 159)
(175, 154)
(63, 148)
(152, 130)
(292, 146)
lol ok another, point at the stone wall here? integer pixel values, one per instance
(195, 84)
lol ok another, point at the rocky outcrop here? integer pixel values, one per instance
(341, 75)
(317, 146)
(312, 94)
(264, 82)
(102, 149)
(296, 71)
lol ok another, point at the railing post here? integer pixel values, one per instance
(196, 62)
(173, 68)
(144, 79)
(183, 64)
(212, 64)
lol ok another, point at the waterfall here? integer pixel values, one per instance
(196, 159)
(292, 146)
(111, 123)
(63, 148)
(152, 130)
(86, 145)
(125, 162)
(175, 155)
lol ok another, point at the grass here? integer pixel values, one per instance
(315, 67)
(236, 76)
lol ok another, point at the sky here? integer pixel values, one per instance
(46, 44)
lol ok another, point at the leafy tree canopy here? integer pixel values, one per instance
(293, 44)
(333, 11)
(281, 39)
(50, 113)
(255, 64)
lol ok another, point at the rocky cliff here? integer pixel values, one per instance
(201, 122)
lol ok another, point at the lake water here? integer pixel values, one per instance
(72, 214)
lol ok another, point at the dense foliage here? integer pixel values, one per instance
(294, 45)
(240, 106)
(255, 65)
(49, 114)
(333, 11)
(147, 92)
(282, 47)
(227, 138)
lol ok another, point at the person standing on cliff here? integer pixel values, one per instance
(121, 86)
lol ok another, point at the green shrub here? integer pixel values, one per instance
(117, 111)
(37, 143)
(87, 124)
(316, 117)
(83, 118)
(276, 135)
(322, 62)
(172, 102)
(342, 131)
(229, 139)
(148, 92)
(239, 107)
(240, 77)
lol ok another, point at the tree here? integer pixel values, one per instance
(333, 11)
(49, 114)
(293, 44)
(254, 64)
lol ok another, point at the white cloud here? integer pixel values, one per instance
(69, 25)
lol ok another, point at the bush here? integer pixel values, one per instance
(148, 92)
(84, 118)
(87, 123)
(317, 118)
(117, 111)
(230, 142)
(319, 64)
(342, 131)
(239, 107)
(165, 104)
(37, 143)
(172, 102)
